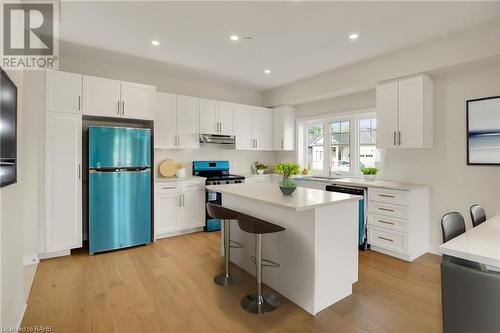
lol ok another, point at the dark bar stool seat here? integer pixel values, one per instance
(226, 215)
(259, 302)
(477, 215)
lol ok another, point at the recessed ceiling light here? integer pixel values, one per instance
(155, 43)
(353, 36)
(267, 71)
(248, 38)
(234, 38)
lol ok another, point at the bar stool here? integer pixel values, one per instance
(259, 302)
(225, 214)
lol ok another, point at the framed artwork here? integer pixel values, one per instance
(483, 131)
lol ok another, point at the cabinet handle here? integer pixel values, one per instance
(183, 200)
(394, 140)
(386, 195)
(382, 221)
(399, 138)
(220, 127)
(79, 98)
(178, 140)
(118, 108)
(386, 239)
(386, 209)
(168, 187)
(180, 200)
(282, 144)
(79, 171)
(123, 108)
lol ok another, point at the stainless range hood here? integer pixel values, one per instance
(217, 139)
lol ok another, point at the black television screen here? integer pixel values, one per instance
(8, 130)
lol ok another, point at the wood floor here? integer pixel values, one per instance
(167, 287)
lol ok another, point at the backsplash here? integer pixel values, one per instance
(241, 160)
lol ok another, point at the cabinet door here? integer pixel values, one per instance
(137, 101)
(165, 121)
(243, 127)
(63, 92)
(208, 116)
(411, 113)
(278, 128)
(387, 115)
(263, 128)
(167, 213)
(193, 209)
(63, 187)
(101, 97)
(289, 129)
(226, 118)
(188, 113)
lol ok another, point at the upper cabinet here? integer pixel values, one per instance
(253, 128)
(216, 117)
(284, 128)
(63, 92)
(405, 112)
(111, 98)
(176, 121)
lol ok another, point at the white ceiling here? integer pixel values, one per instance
(294, 39)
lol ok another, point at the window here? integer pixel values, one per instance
(352, 144)
(369, 155)
(315, 147)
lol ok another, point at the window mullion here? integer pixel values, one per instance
(327, 150)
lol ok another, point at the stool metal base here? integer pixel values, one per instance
(225, 280)
(264, 304)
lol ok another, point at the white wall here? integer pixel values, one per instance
(15, 228)
(454, 185)
(166, 77)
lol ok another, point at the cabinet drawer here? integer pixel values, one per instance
(388, 209)
(388, 239)
(167, 188)
(395, 197)
(193, 186)
(388, 222)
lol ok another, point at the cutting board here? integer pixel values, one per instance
(168, 168)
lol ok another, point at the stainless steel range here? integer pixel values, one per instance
(216, 173)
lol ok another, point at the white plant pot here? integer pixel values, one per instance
(370, 177)
(260, 171)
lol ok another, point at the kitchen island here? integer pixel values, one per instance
(318, 251)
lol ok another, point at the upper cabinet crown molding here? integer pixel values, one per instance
(405, 113)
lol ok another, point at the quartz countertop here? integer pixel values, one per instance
(480, 244)
(364, 183)
(179, 180)
(302, 199)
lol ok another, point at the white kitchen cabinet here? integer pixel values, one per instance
(101, 97)
(179, 208)
(254, 126)
(118, 99)
(167, 213)
(176, 122)
(137, 101)
(63, 92)
(63, 181)
(404, 113)
(284, 128)
(216, 117)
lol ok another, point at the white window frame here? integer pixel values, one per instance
(353, 117)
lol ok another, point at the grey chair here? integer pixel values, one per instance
(259, 302)
(452, 225)
(226, 215)
(470, 298)
(477, 215)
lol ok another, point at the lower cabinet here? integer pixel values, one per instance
(179, 208)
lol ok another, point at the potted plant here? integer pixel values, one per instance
(287, 185)
(260, 168)
(369, 173)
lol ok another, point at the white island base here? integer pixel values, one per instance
(318, 251)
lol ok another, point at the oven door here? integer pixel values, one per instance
(212, 224)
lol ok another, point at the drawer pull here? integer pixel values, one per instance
(386, 209)
(386, 196)
(168, 188)
(381, 221)
(386, 239)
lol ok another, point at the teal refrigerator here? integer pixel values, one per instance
(119, 192)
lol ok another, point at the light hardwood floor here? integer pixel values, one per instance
(167, 287)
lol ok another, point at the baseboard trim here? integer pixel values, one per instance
(177, 233)
(30, 259)
(54, 254)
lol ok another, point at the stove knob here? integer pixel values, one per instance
(227, 181)
(218, 183)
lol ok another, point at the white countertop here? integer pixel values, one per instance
(179, 180)
(366, 183)
(480, 244)
(302, 199)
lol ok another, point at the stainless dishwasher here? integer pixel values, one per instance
(362, 191)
